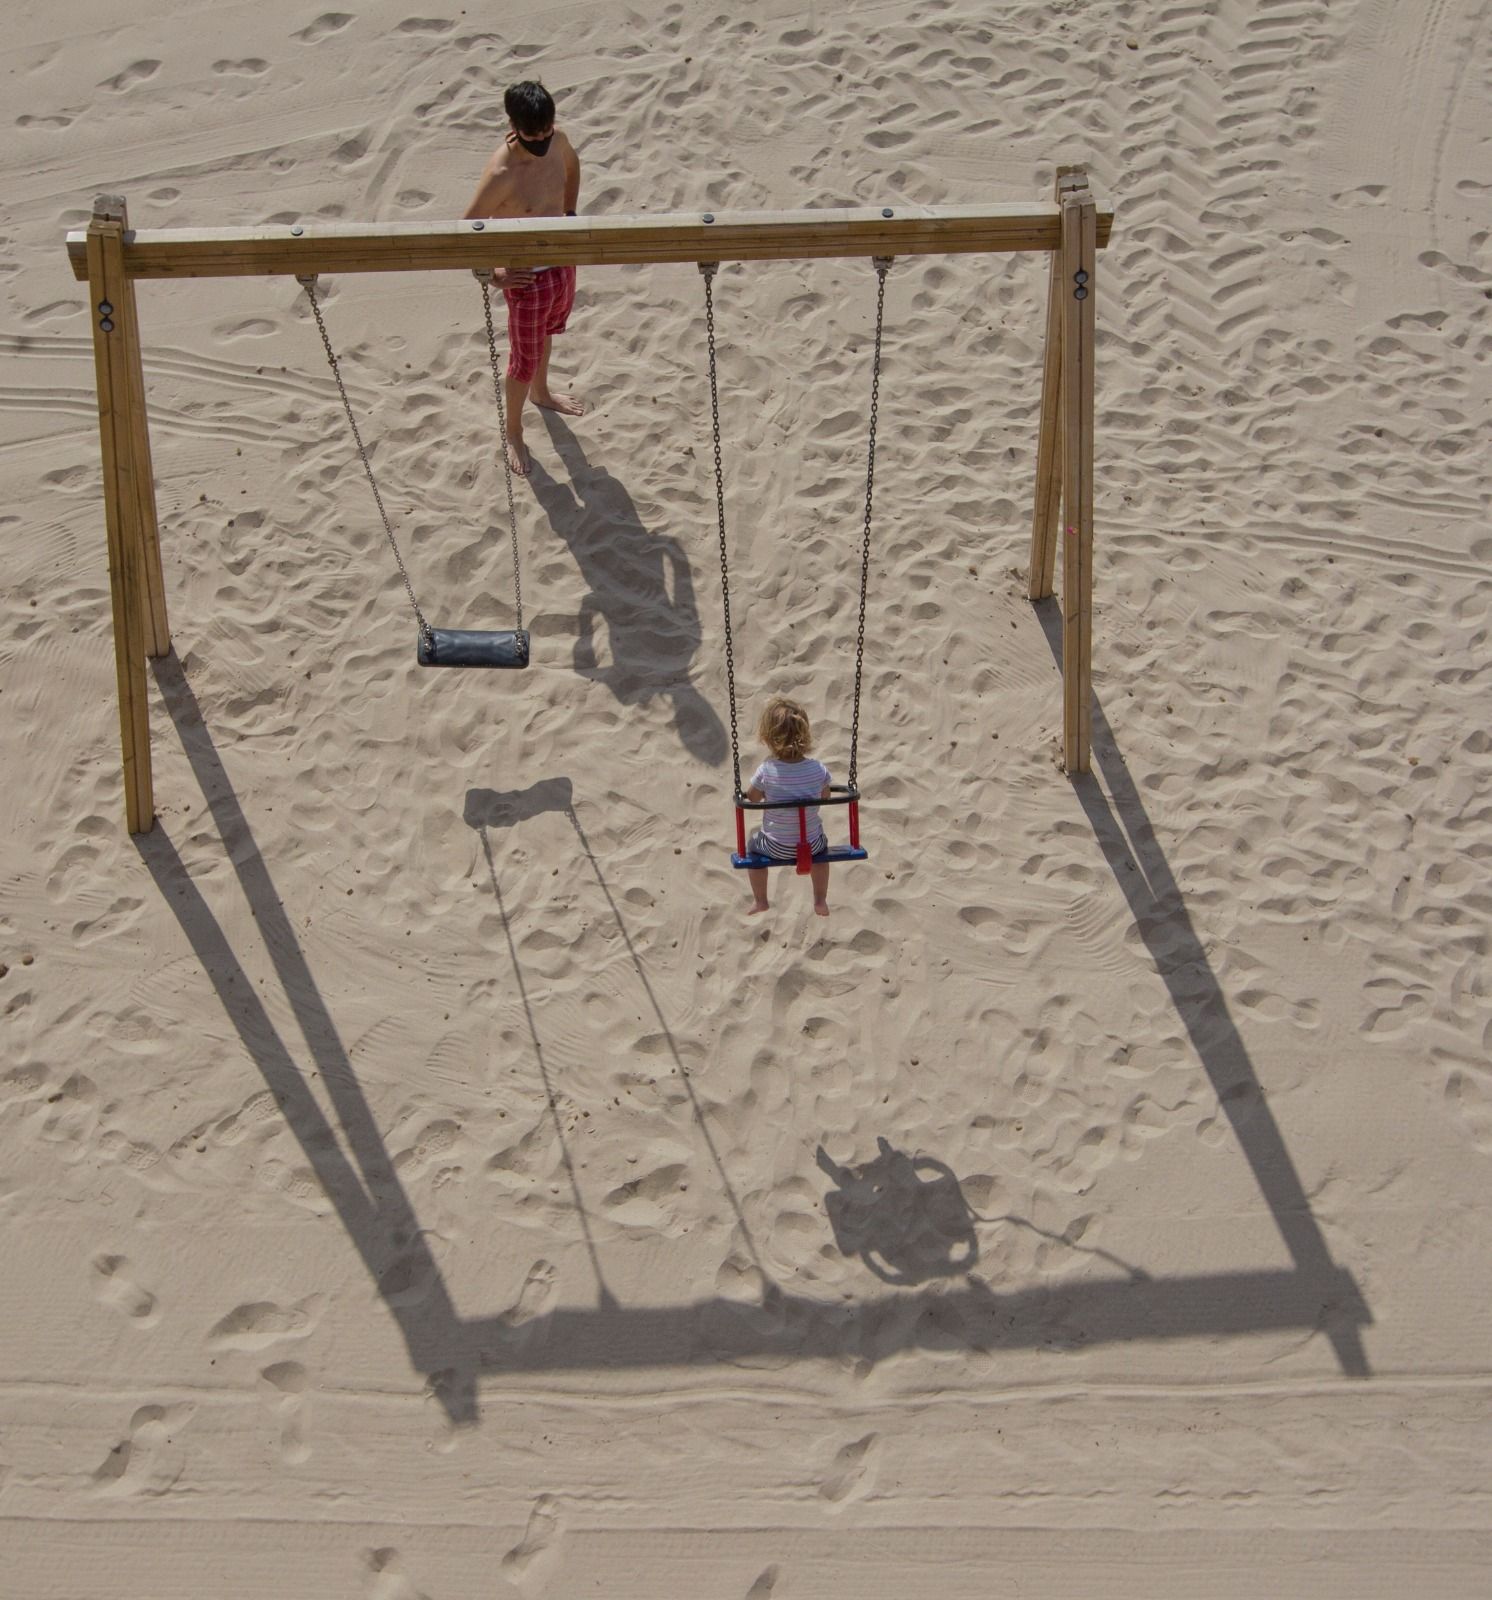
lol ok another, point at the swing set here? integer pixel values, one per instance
(111, 257)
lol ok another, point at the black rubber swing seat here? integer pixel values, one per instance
(835, 852)
(468, 647)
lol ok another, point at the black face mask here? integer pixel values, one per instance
(535, 147)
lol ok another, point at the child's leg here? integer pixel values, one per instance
(820, 875)
(758, 880)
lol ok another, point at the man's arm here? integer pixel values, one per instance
(572, 179)
(489, 195)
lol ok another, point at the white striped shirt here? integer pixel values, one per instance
(790, 780)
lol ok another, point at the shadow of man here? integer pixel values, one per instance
(639, 586)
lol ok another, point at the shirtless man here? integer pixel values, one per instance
(533, 173)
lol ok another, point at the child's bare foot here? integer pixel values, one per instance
(517, 456)
(821, 908)
(569, 405)
(757, 908)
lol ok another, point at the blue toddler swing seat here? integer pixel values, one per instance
(845, 794)
(840, 794)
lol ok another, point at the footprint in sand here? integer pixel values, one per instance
(433, 1142)
(248, 328)
(740, 1280)
(390, 1581)
(284, 1386)
(532, 1560)
(445, 1395)
(649, 1201)
(135, 72)
(54, 311)
(260, 1323)
(114, 1286)
(150, 1460)
(327, 22)
(74, 1112)
(1468, 1095)
(853, 1469)
(409, 1277)
(21, 1083)
(534, 1298)
(350, 151)
(117, 919)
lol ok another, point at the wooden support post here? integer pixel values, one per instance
(1077, 293)
(110, 310)
(157, 629)
(1044, 516)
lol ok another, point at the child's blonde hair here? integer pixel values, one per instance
(784, 729)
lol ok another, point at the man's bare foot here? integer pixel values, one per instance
(569, 405)
(821, 908)
(517, 457)
(758, 908)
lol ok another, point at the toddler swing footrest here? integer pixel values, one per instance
(835, 852)
(465, 647)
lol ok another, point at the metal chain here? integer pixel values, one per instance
(708, 269)
(309, 285)
(882, 265)
(502, 419)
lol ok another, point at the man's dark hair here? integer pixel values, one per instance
(529, 106)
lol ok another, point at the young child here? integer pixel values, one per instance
(788, 773)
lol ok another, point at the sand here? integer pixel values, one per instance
(419, 1177)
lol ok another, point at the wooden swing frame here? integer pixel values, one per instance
(111, 257)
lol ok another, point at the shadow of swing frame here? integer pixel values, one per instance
(454, 1352)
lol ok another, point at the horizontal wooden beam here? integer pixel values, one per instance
(602, 241)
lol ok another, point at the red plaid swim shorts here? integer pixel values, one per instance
(535, 311)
